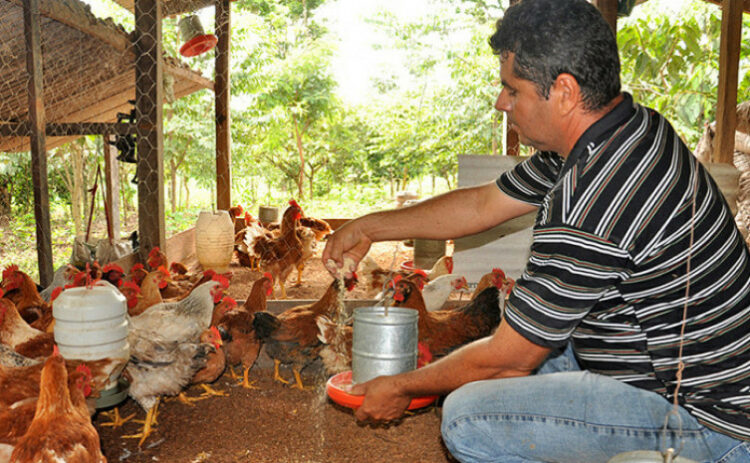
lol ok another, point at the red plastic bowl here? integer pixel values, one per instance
(336, 390)
(198, 44)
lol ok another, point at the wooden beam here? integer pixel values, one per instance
(33, 36)
(745, 4)
(64, 129)
(608, 9)
(112, 186)
(729, 61)
(223, 117)
(150, 143)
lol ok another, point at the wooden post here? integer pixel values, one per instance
(112, 183)
(608, 9)
(37, 121)
(512, 142)
(729, 60)
(150, 143)
(223, 119)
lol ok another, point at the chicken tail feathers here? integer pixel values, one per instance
(265, 324)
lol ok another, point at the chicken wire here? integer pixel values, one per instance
(90, 70)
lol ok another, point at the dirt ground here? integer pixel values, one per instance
(276, 423)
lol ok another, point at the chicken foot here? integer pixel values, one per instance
(300, 267)
(148, 425)
(276, 374)
(116, 419)
(208, 391)
(246, 383)
(184, 399)
(298, 381)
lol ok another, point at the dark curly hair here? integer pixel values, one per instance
(551, 37)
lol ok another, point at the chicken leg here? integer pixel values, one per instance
(246, 383)
(147, 425)
(298, 381)
(276, 374)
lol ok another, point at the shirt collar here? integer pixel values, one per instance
(599, 131)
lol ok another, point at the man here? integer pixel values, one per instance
(636, 263)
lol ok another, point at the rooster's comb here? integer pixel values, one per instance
(154, 252)
(136, 267)
(269, 276)
(223, 281)
(82, 368)
(9, 270)
(230, 301)
(111, 267)
(294, 203)
(215, 331)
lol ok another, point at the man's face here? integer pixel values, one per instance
(529, 114)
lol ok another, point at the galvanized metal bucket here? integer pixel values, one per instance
(383, 344)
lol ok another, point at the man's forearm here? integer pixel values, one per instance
(458, 213)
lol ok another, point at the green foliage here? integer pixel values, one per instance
(671, 63)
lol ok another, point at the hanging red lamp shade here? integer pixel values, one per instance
(196, 41)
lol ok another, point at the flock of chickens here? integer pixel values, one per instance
(184, 331)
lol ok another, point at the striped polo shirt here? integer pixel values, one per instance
(612, 258)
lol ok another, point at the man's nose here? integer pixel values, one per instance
(503, 102)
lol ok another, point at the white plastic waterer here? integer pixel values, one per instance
(92, 324)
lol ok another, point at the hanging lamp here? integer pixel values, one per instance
(195, 40)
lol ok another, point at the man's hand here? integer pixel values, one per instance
(383, 401)
(349, 241)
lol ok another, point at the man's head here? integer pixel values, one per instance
(551, 37)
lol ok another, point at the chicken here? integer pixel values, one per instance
(165, 352)
(443, 266)
(244, 239)
(137, 273)
(281, 255)
(318, 226)
(497, 278)
(132, 293)
(215, 363)
(150, 291)
(113, 273)
(63, 276)
(241, 345)
(436, 292)
(292, 336)
(378, 281)
(226, 305)
(444, 330)
(159, 368)
(178, 321)
(17, 334)
(234, 213)
(157, 258)
(16, 419)
(21, 382)
(22, 291)
(61, 429)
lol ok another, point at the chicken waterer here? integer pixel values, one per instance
(91, 323)
(384, 342)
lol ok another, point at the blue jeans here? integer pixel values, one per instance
(563, 414)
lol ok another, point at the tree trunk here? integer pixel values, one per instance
(187, 192)
(301, 175)
(173, 185)
(5, 199)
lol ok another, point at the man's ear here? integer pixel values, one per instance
(567, 92)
